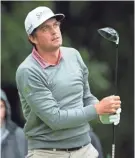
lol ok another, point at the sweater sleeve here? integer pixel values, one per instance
(44, 105)
(88, 97)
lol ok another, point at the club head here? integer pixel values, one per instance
(109, 34)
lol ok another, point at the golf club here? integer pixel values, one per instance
(113, 36)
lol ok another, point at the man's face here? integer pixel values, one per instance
(2, 110)
(48, 36)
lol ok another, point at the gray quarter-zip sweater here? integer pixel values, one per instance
(56, 101)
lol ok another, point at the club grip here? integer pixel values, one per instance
(113, 150)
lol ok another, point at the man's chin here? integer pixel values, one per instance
(57, 46)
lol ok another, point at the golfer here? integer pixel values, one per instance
(54, 92)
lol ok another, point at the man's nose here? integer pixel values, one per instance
(53, 30)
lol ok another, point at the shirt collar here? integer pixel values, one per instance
(41, 61)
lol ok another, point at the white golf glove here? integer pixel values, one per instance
(108, 119)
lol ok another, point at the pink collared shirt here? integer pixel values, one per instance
(41, 61)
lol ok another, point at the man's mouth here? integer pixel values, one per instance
(56, 38)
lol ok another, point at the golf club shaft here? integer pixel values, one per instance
(116, 77)
(116, 70)
(113, 144)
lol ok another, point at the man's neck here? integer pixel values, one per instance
(50, 57)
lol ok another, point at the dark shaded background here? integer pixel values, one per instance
(79, 30)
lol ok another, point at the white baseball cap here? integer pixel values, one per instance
(39, 15)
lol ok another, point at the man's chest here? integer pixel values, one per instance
(65, 80)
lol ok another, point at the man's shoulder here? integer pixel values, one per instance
(27, 64)
(69, 51)
(64, 49)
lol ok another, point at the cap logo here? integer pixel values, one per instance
(39, 14)
(30, 27)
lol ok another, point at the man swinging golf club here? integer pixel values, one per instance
(54, 92)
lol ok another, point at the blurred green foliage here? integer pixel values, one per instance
(79, 30)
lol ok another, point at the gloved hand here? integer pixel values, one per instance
(108, 119)
(115, 118)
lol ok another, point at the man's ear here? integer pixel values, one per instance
(33, 39)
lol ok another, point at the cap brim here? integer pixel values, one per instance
(59, 17)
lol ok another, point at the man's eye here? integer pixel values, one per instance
(44, 28)
(56, 24)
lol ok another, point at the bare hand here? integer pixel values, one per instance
(108, 105)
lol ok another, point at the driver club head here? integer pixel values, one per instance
(109, 34)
